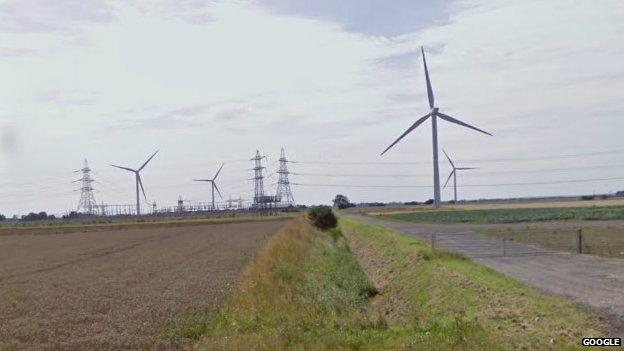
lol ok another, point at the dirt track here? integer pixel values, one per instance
(116, 289)
(593, 281)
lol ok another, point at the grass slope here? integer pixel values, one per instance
(511, 215)
(419, 289)
(307, 290)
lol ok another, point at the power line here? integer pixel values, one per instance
(493, 160)
(465, 185)
(373, 175)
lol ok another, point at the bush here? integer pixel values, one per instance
(323, 217)
(342, 202)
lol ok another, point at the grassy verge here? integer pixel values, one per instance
(304, 290)
(602, 241)
(514, 215)
(478, 306)
(309, 290)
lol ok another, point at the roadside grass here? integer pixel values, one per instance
(602, 241)
(186, 325)
(304, 290)
(312, 290)
(510, 215)
(417, 288)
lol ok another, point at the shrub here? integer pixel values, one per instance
(323, 217)
(342, 202)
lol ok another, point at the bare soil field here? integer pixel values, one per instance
(123, 289)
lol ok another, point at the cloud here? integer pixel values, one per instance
(27, 16)
(206, 81)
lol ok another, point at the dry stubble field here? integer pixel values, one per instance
(118, 289)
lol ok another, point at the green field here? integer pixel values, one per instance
(363, 287)
(514, 215)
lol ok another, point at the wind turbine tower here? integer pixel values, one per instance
(454, 174)
(87, 203)
(213, 185)
(434, 113)
(284, 194)
(137, 178)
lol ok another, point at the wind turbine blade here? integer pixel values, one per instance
(216, 188)
(463, 168)
(429, 89)
(141, 184)
(202, 180)
(449, 178)
(124, 168)
(219, 171)
(416, 124)
(456, 121)
(149, 159)
(448, 158)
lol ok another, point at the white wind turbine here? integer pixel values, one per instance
(213, 185)
(434, 113)
(454, 174)
(137, 177)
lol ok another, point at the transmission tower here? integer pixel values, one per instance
(284, 194)
(259, 197)
(87, 202)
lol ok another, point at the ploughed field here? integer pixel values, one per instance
(119, 289)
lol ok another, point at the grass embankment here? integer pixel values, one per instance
(514, 215)
(602, 241)
(480, 307)
(306, 290)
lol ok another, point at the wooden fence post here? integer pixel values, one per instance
(579, 241)
(433, 242)
(504, 247)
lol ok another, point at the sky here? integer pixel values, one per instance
(334, 83)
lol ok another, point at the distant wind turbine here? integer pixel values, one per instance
(434, 113)
(138, 181)
(454, 174)
(213, 185)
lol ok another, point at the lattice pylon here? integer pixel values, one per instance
(87, 203)
(284, 194)
(258, 179)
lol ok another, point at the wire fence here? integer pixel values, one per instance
(603, 241)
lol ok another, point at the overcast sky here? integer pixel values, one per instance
(331, 81)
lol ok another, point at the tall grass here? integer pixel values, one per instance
(303, 290)
(307, 290)
(494, 311)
